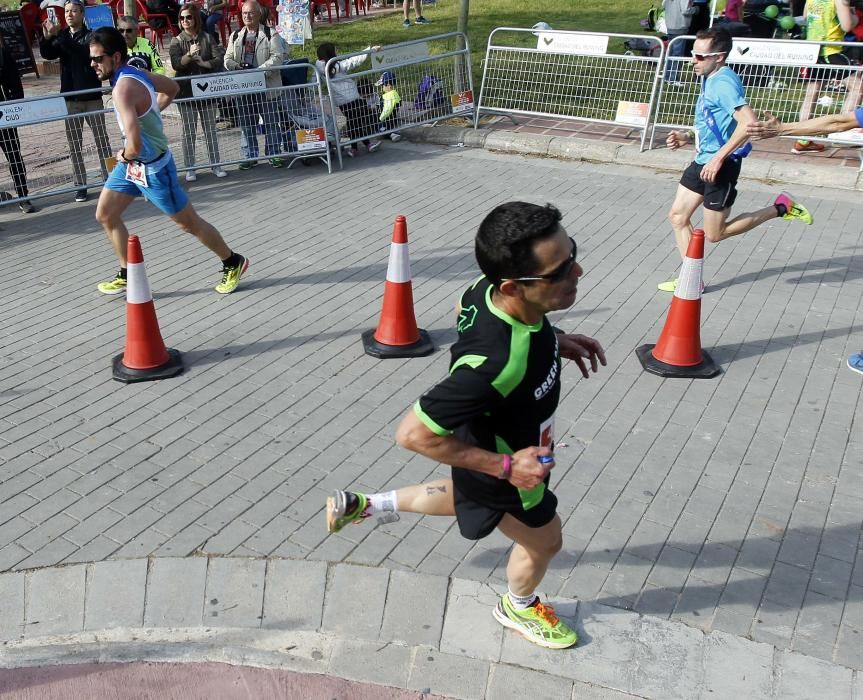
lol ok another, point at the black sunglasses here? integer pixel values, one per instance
(558, 274)
(131, 30)
(98, 59)
(187, 17)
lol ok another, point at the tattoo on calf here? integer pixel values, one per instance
(432, 490)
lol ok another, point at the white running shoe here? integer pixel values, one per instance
(190, 176)
(219, 172)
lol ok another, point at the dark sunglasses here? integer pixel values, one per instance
(98, 59)
(558, 274)
(129, 31)
(186, 17)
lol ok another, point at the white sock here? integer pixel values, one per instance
(520, 602)
(383, 502)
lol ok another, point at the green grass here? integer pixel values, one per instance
(485, 15)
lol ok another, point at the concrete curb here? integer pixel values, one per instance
(393, 628)
(759, 168)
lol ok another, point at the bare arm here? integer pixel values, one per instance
(166, 89)
(827, 124)
(126, 96)
(846, 16)
(414, 435)
(743, 116)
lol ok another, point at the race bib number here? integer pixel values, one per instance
(546, 433)
(136, 173)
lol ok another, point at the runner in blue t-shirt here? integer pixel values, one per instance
(829, 124)
(721, 116)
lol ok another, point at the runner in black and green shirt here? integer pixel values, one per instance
(492, 418)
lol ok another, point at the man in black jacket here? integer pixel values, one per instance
(11, 89)
(71, 46)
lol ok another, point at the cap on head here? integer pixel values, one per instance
(387, 78)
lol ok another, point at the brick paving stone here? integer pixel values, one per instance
(737, 464)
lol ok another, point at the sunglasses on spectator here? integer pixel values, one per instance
(128, 30)
(558, 274)
(186, 18)
(98, 59)
(705, 56)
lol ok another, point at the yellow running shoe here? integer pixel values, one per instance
(231, 276)
(115, 286)
(536, 623)
(669, 286)
(793, 210)
(345, 507)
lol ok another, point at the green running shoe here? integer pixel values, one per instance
(669, 286)
(231, 276)
(345, 507)
(537, 624)
(115, 286)
(793, 210)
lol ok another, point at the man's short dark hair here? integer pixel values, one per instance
(505, 240)
(110, 40)
(720, 38)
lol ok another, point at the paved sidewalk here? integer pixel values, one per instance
(391, 628)
(726, 506)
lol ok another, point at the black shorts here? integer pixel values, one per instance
(825, 75)
(477, 520)
(719, 195)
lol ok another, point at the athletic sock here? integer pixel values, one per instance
(381, 502)
(232, 260)
(781, 209)
(520, 602)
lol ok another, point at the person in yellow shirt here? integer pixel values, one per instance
(827, 20)
(143, 54)
(390, 104)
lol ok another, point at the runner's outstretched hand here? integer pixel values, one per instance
(527, 471)
(581, 349)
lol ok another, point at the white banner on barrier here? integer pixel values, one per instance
(227, 84)
(632, 113)
(400, 54)
(30, 112)
(590, 44)
(777, 53)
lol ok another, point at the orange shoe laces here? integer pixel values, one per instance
(546, 612)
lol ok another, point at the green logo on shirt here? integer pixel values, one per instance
(466, 318)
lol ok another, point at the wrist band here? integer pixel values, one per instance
(506, 467)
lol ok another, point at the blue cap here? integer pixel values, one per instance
(387, 78)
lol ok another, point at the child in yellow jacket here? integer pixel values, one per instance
(390, 104)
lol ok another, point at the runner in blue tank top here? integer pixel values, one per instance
(721, 116)
(145, 166)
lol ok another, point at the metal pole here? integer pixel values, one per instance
(464, 7)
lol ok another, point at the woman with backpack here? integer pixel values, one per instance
(358, 117)
(195, 52)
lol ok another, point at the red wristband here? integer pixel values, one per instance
(506, 467)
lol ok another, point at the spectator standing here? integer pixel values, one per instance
(827, 20)
(390, 102)
(359, 119)
(418, 10)
(145, 166)
(256, 46)
(195, 52)
(721, 117)
(829, 124)
(142, 52)
(76, 73)
(12, 89)
(677, 14)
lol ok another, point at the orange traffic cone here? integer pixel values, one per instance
(397, 334)
(146, 356)
(678, 352)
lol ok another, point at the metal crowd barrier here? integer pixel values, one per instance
(433, 79)
(778, 77)
(570, 75)
(289, 122)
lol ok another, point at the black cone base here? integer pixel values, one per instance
(421, 348)
(706, 369)
(127, 375)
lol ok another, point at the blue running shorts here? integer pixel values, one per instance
(163, 188)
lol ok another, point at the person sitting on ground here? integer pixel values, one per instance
(256, 46)
(194, 52)
(142, 52)
(390, 104)
(827, 20)
(359, 118)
